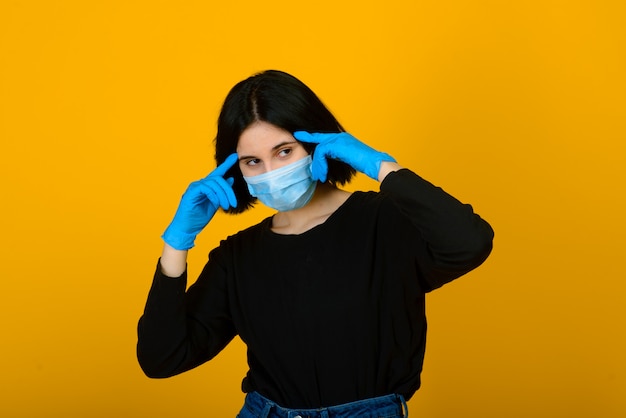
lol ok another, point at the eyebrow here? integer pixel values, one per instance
(274, 148)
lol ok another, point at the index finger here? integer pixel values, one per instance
(226, 165)
(307, 137)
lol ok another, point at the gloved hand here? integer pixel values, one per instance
(343, 147)
(198, 205)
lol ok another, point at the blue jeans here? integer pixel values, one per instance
(390, 406)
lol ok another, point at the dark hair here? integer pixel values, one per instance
(284, 101)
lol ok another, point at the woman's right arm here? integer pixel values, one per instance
(181, 329)
(173, 262)
(169, 340)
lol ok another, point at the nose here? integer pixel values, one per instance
(269, 167)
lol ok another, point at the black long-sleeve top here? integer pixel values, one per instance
(329, 316)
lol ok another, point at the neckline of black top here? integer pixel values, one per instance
(328, 223)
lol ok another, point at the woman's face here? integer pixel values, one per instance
(264, 147)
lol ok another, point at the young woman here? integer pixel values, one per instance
(328, 293)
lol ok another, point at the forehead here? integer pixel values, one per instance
(262, 136)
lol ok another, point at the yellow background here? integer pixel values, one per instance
(107, 112)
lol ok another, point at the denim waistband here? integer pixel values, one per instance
(383, 406)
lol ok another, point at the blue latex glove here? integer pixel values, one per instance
(343, 147)
(199, 204)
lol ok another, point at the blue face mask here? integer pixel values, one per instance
(286, 188)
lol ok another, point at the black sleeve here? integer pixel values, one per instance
(180, 330)
(457, 239)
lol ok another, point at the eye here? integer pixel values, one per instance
(283, 152)
(252, 162)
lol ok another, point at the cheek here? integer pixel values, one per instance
(245, 170)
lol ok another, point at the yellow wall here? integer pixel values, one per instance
(108, 109)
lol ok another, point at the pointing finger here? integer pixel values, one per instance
(226, 165)
(307, 137)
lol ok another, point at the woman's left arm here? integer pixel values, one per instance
(458, 239)
(387, 167)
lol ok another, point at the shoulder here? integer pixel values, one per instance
(369, 204)
(244, 239)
